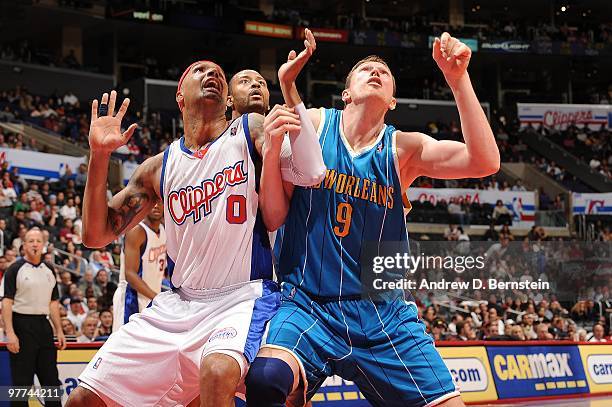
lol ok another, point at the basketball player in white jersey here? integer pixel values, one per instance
(143, 262)
(248, 93)
(199, 338)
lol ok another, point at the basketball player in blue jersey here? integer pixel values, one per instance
(194, 344)
(327, 325)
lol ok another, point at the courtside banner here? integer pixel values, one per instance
(537, 371)
(40, 166)
(470, 369)
(592, 204)
(520, 203)
(597, 362)
(325, 34)
(559, 117)
(268, 29)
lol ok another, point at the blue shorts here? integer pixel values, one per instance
(381, 346)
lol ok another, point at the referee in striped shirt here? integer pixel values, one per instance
(29, 297)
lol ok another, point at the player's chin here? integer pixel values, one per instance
(256, 107)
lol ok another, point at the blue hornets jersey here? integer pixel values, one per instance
(359, 202)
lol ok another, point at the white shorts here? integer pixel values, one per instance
(154, 360)
(126, 304)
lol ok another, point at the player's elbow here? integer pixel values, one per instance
(312, 177)
(274, 219)
(484, 165)
(93, 240)
(492, 164)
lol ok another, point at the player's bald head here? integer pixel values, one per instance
(242, 74)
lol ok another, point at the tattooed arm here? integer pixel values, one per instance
(103, 222)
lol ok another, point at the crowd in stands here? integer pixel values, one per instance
(517, 314)
(86, 278)
(66, 116)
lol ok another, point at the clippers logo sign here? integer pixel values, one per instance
(592, 204)
(537, 371)
(190, 201)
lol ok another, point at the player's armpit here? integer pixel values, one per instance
(132, 203)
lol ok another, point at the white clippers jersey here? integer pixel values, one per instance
(152, 259)
(215, 236)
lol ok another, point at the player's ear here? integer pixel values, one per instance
(180, 100)
(229, 102)
(393, 104)
(346, 96)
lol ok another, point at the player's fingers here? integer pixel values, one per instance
(288, 111)
(450, 47)
(444, 41)
(123, 108)
(292, 55)
(104, 100)
(94, 109)
(462, 51)
(286, 119)
(278, 125)
(273, 113)
(291, 128)
(311, 39)
(129, 132)
(276, 132)
(435, 52)
(282, 110)
(111, 103)
(274, 109)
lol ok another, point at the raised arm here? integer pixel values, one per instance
(301, 158)
(104, 221)
(479, 155)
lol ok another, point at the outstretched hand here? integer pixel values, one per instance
(290, 70)
(452, 56)
(105, 131)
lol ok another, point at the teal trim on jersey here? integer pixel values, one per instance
(358, 202)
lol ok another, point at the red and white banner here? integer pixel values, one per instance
(268, 29)
(325, 34)
(559, 117)
(520, 203)
(592, 204)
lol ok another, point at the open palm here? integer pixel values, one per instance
(290, 70)
(105, 131)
